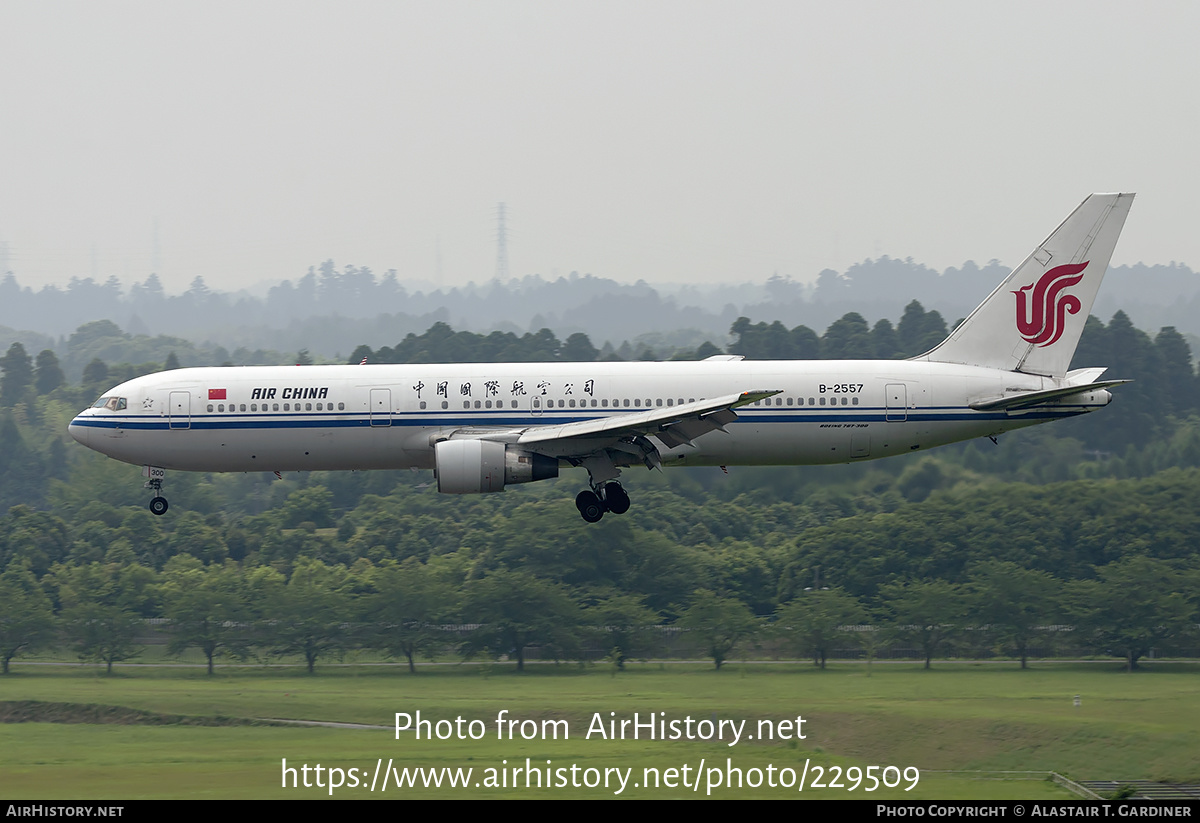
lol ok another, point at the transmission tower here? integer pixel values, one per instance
(501, 244)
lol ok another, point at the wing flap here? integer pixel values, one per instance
(673, 425)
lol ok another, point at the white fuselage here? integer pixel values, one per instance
(292, 418)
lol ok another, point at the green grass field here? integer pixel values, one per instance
(959, 723)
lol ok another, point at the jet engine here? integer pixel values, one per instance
(482, 466)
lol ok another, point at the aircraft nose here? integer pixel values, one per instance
(78, 431)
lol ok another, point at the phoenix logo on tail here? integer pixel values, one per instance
(1050, 306)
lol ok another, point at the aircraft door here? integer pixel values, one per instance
(381, 407)
(860, 444)
(897, 402)
(179, 410)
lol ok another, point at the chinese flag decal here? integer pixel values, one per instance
(216, 394)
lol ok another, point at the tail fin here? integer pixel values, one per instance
(1032, 321)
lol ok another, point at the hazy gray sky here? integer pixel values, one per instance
(670, 141)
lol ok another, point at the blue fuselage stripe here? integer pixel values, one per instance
(504, 417)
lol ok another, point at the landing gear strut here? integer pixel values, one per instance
(608, 497)
(158, 503)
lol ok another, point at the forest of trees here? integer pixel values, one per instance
(995, 569)
(331, 309)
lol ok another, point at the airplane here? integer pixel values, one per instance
(484, 426)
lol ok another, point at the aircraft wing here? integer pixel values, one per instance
(673, 425)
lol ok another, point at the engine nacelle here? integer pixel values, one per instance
(482, 466)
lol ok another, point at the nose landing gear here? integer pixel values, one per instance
(158, 503)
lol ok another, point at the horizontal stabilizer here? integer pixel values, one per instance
(1035, 398)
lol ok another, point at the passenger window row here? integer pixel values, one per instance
(812, 401)
(274, 407)
(571, 403)
(637, 403)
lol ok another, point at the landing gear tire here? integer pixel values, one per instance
(616, 500)
(589, 505)
(158, 504)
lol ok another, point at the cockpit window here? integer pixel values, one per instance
(111, 403)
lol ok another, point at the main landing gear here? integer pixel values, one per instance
(158, 503)
(608, 497)
(606, 494)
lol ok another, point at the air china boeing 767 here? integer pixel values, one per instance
(482, 426)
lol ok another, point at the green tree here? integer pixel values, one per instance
(806, 344)
(518, 610)
(405, 608)
(104, 634)
(313, 504)
(101, 608)
(1136, 604)
(35, 538)
(48, 374)
(772, 341)
(918, 330)
(23, 474)
(95, 376)
(207, 607)
(193, 536)
(1179, 377)
(1016, 602)
(885, 341)
(921, 479)
(541, 346)
(1138, 417)
(579, 348)
(848, 338)
(26, 616)
(720, 623)
(361, 353)
(311, 613)
(925, 613)
(623, 624)
(18, 375)
(93, 333)
(812, 622)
